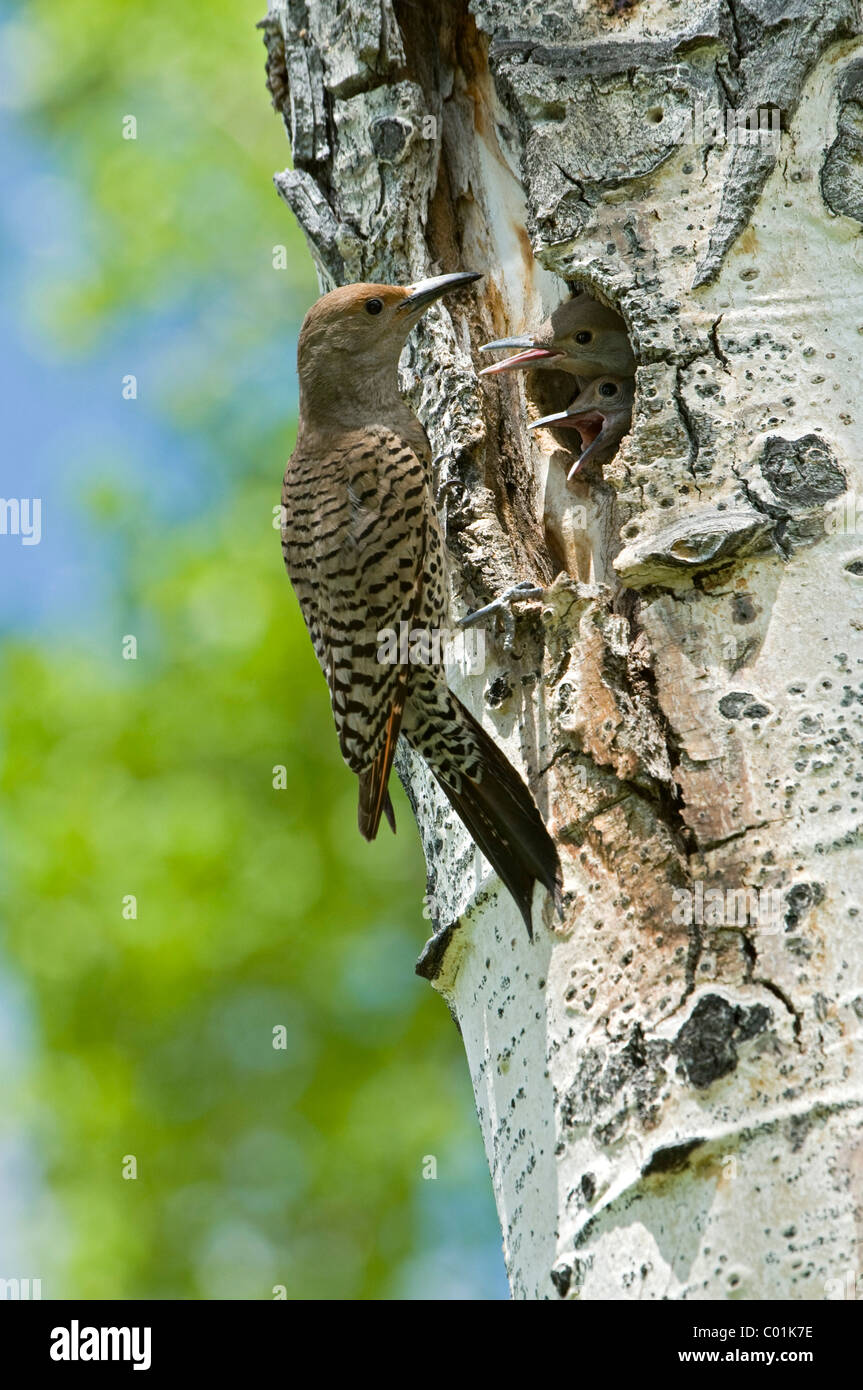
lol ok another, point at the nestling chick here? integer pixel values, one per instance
(582, 337)
(602, 414)
(365, 555)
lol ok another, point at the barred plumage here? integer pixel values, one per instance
(364, 553)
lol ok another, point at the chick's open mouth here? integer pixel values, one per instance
(589, 424)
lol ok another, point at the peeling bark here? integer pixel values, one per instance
(668, 1081)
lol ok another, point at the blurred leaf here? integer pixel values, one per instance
(260, 917)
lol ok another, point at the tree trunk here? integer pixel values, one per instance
(669, 1080)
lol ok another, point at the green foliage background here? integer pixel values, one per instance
(257, 908)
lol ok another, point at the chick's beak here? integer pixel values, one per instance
(562, 419)
(531, 352)
(425, 292)
(591, 428)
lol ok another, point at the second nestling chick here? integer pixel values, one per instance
(602, 414)
(582, 337)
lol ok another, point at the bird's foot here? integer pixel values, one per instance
(526, 589)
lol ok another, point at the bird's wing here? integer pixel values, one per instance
(355, 524)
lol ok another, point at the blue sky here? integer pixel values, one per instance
(67, 425)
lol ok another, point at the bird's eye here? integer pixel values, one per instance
(583, 336)
(374, 306)
(608, 388)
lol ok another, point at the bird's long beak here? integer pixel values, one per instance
(530, 353)
(591, 428)
(562, 418)
(425, 292)
(525, 341)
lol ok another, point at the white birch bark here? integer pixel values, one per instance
(671, 1107)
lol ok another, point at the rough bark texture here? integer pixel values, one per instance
(670, 1107)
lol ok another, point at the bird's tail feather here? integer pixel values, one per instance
(367, 818)
(502, 817)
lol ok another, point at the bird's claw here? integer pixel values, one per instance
(525, 589)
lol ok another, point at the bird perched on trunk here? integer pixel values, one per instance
(582, 337)
(602, 414)
(365, 554)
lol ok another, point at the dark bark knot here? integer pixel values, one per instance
(707, 1044)
(801, 473)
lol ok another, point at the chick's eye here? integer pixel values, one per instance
(583, 337)
(608, 388)
(374, 306)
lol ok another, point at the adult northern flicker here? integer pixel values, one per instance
(602, 414)
(365, 554)
(582, 337)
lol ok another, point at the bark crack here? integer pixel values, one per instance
(738, 52)
(716, 345)
(689, 428)
(751, 952)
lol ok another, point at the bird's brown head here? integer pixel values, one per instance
(352, 338)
